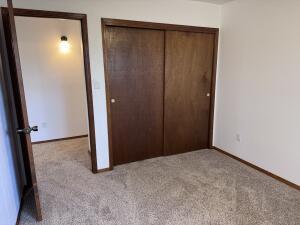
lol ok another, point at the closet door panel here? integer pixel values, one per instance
(135, 66)
(188, 76)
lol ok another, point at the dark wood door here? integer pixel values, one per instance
(19, 95)
(135, 76)
(188, 78)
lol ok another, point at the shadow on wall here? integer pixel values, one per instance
(11, 182)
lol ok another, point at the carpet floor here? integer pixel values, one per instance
(198, 188)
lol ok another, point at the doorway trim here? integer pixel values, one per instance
(108, 22)
(88, 80)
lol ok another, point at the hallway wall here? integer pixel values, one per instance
(54, 82)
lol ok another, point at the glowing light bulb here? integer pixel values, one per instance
(64, 46)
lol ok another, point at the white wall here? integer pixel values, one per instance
(10, 187)
(54, 82)
(258, 85)
(184, 12)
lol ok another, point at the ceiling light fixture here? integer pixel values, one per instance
(64, 45)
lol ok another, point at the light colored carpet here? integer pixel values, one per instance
(202, 187)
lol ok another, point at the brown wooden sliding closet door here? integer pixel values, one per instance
(135, 73)
(188, 77)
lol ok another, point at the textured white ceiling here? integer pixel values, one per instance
(215, 1)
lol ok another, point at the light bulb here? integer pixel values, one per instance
(64, 46)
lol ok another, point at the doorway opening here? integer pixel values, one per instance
(51, 81)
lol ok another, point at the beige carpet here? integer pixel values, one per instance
(203, 187)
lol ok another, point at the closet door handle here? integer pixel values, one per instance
(113, 100)
(207, 94)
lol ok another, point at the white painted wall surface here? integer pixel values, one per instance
(10, 190)
(258, 94)
(54, 82)
(183, 12)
